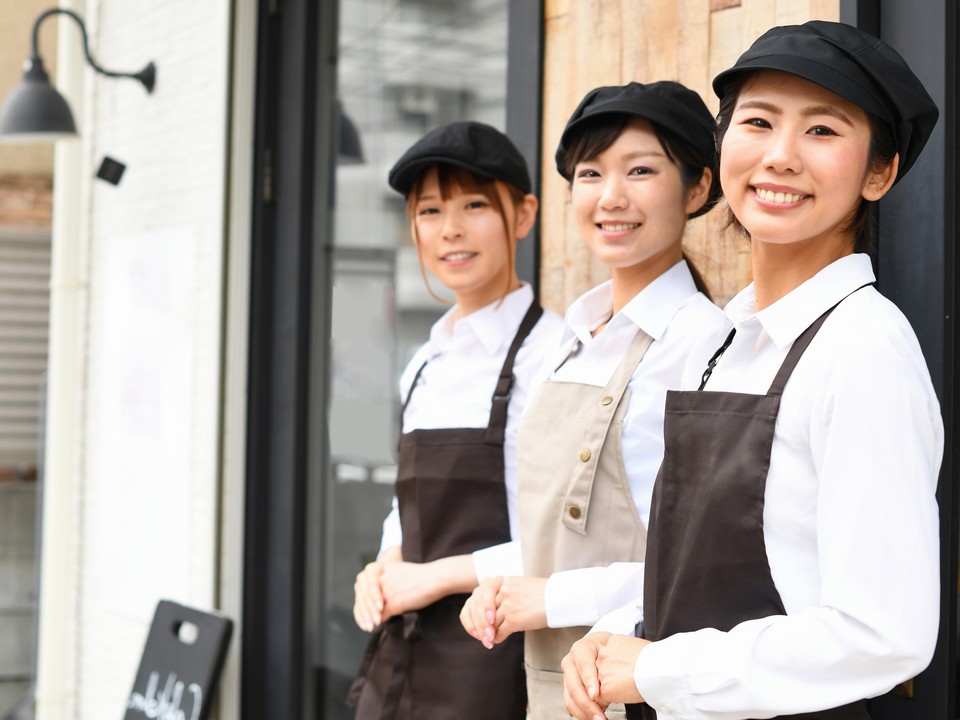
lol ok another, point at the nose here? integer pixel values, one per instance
(452, 226)
(782, 152)
(613, 194)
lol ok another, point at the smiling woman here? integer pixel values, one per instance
(590, 440)
(469, 201)
(800, 468)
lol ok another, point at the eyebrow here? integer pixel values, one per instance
(806, 112)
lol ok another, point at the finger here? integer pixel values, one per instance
(576, 698)
(467, 619)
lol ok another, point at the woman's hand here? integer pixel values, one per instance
(581, 681)
(520, 606)
(479, 612)
(368, 598)
(616, 661)
(410, 586)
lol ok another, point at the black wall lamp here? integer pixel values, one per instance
(34, 110)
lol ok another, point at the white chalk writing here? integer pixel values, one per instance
(166, 706)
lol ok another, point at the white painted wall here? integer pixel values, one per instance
(138, 505)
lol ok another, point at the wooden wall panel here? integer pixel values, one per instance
(610, 42)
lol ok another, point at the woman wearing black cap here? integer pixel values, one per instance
(640, 162)
(468, 197)
(792, 562)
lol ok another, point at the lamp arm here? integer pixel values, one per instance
(147, 76)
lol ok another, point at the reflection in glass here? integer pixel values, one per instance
(404, 66)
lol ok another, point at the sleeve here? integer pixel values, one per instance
(623, 620)
(583, 596)
(392, 533)
(876, 440)
(503, 559)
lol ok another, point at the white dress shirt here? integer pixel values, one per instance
(464, 357)
(676, 316)
(850, 514)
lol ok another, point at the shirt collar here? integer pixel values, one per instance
(651, 309)
(491, 326)
(789, 316)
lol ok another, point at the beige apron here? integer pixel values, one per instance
(574, 518)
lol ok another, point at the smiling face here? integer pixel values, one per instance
(631, 205)
(794, 163)
(465, 240)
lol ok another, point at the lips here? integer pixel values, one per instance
(777, 197)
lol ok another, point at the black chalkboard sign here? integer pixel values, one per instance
(181, 664)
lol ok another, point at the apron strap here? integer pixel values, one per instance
(416, 379)
(499, 403)
(800, 345)
(577, 501)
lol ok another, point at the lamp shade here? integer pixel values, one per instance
(34, 110)
(350, 151)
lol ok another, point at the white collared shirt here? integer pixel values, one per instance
(676, 316)
(464, 357)
(850, 514)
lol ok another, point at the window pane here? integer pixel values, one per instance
(404, 67)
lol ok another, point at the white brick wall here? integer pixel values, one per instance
(155, 248)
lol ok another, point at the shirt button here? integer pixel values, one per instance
(585, 454)
(574, 512)
(606, 400)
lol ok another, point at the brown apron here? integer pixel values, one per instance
(576, 508)
(706, 564)
(452, 499)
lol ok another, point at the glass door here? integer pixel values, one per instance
(404, 67)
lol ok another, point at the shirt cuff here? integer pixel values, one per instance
(665, 691)
(503, 559)
(622, 621)
(567, 599)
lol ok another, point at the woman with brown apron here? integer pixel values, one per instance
(792, 562)
(468, 197)
(640, 162)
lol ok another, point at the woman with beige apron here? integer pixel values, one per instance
(640, 162)
(468, 196)
(792, 563)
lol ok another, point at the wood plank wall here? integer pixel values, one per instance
(610, 42)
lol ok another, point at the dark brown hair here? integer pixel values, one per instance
(883, 147)
(597, 134)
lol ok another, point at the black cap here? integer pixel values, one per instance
(669, 104)
(474, 146)
(856, 66)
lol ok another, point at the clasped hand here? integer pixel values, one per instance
(389, 587)
(598, 671)
(501, 606)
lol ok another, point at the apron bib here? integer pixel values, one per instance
(573, 518)
(706, 564)
(452, 499)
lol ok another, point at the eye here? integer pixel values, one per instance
(757, 123)
(821, 131)
(587, 173)
(475, 204)
(427, 211)
(641, 170)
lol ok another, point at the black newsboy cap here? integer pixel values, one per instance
(668, 104)
(474, 146)
(856, 66)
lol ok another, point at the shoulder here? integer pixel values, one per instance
(694, 319)
(868, 328)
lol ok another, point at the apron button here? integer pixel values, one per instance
(574, 512)
(585, 454)
(606, 400)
